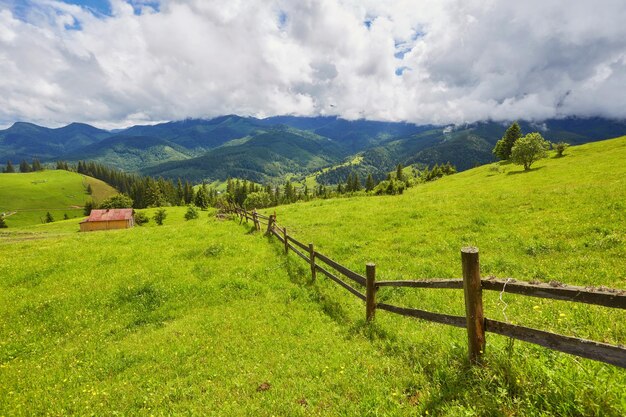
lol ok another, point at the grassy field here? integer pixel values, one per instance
(208, 318)
(189, 318)
(562, 221)
(28, 196)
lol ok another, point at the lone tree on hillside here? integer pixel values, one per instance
(49, 218)
(504, 146)
(529, 149)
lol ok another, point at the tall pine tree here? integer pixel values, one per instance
(503, 147)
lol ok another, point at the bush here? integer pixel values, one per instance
(259, 199)
(160, 216)
(3, 224)
(560, 148)
(529, 149)
(117, 201)
(49, 218)
(141, 218)
(390, 187)
(192, 213)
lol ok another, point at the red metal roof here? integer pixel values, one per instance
(110, 215)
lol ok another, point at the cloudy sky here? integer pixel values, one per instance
(115, 63)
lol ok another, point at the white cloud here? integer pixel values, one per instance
(430, 61)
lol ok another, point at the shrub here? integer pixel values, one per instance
(160, 216)
(560, 148)
(117, 201)
(192, 213)
(3, 224)
(141, 218)
(259, 199)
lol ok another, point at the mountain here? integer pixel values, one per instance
(356, 135)
(27, 140)
(199, 135)
(130, 153)
(465, 146)
(252, 148)
(262, 158)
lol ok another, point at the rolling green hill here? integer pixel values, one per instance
(207, 317)
(26, 197)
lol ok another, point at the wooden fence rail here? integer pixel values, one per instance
(472, 285)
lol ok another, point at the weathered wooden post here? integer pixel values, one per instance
(270, 225)
(286, 241)
(245, 215)
(255, 219)
(370, 291)
(473, 303)
(312, 258)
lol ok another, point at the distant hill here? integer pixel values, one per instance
(253, 152)
(261, 158)
(26, 197)
(27, 140)
(130, 153)
(199, 135)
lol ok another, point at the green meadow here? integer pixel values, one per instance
(207, 317)
(27, 197)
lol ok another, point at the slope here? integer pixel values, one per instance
(561, 222)
(27, 197)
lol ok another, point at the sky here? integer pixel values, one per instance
(117, 63)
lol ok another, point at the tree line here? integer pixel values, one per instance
(23, 167)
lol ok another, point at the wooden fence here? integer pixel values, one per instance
(472, 285)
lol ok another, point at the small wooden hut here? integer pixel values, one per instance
(108, 219)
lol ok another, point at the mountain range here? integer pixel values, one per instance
(265, 150)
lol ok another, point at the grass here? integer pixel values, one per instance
(208, 318)
(30, 195)
(187, 318)
(562, 221)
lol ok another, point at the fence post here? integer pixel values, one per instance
(312, 257)
(370, 291)
(285, 237)
(245, 215)
(270, 225)
(255, 219)
(473, 303)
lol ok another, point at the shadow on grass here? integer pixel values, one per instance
(524, 171)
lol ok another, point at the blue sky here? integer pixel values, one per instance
(102, 6)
